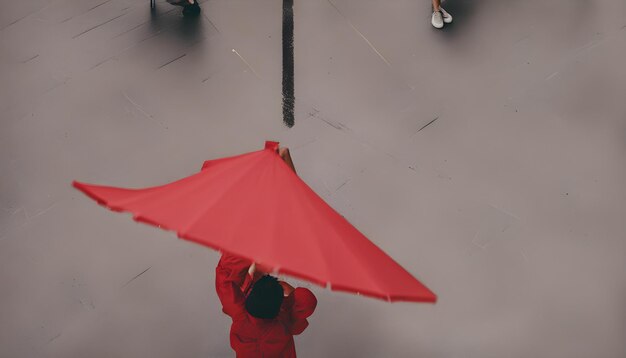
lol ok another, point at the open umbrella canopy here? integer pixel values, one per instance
(253, 205)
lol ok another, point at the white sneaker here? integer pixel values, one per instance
(437, 19)
(447, 18)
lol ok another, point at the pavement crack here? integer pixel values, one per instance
(342, 185)
(30, 59)
(95, 27)
(246, 62)
(427, 124)
(210, 22)
(101, 62)
(131, 29)
(173, 60)
(361, 34)
(136, 277)
(97, 6)
(16, 21)
(137, 105)
(41, 212)
(54, 338)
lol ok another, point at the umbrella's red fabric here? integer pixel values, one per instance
(253, 205)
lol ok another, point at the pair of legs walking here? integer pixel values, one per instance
(440, 16)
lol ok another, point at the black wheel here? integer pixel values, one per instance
(152, 4)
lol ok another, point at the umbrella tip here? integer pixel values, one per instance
(271, 145)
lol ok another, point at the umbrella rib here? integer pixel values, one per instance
(296, 191)
(148, 193)
(342, 241)
(320, 252)
(232, 186)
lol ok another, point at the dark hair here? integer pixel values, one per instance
(265, 298)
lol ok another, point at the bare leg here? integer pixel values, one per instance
(436, 4)
(287, 288)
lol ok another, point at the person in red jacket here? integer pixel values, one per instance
(266, 313)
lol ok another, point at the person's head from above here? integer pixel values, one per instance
(265, 298)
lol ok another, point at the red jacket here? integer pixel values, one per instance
(253, 337)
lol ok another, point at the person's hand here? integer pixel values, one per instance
(265, 270)
(283, 152)
(286, 156)
(259, 269)
(287, 288)
(252, 269)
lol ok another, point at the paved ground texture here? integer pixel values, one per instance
(488, 158)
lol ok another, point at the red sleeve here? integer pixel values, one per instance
(299, 305)
(230, 275)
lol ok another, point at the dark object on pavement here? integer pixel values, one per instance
(192, 10)
(189, 10)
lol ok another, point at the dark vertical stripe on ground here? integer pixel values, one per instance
(289, 99)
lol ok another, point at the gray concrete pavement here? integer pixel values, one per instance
(510, 205)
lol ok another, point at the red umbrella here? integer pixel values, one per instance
(253, 205)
